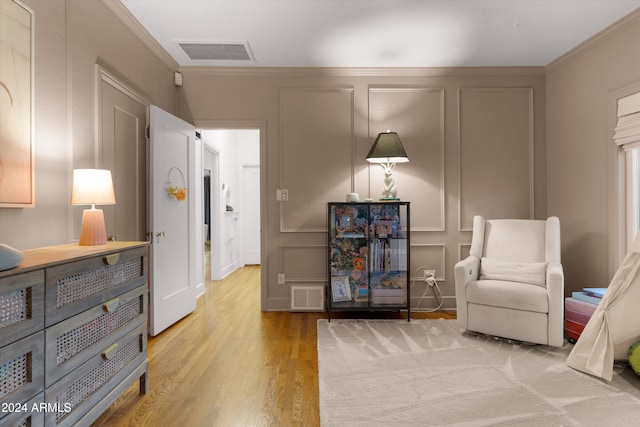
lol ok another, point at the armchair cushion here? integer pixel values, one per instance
(524, 272)
(502, 293)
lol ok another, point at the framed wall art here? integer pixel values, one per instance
(17, 172)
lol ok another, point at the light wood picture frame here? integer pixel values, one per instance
(17, 171)
(340, 289)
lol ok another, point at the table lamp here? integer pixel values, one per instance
(92, 187)
(387, 150)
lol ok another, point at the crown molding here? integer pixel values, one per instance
(134, 25)
(362, 72)
(594, 40)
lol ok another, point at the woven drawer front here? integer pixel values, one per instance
(22, 369)
(82, 285)
(77, 286)
(71, 342)
(25, 419)
(15, 307)
(87, 334)
(71, 392)
(21, 306)
(15, 373)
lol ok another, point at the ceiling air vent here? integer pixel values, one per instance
(217, 51)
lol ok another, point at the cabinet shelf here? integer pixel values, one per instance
(368, 246)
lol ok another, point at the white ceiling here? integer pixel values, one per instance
(380, 33)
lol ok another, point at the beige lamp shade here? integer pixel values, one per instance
(92, 187)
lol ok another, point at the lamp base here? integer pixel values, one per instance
(93, 230)
(388, 199)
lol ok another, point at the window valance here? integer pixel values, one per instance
(627, 131)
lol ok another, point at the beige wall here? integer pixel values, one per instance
(71, 37)
(320, 124)
(581, 166)
(478, 133)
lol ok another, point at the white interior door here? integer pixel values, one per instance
(173, 222)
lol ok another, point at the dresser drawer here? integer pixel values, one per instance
(24, 414)
(71, 342)
(21, 306)
(77, 286)
(87, 385)
(22, 369)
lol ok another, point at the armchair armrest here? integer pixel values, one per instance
(464, 271)
(555, 292)
(555, 275)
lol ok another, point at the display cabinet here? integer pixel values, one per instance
(368, 245)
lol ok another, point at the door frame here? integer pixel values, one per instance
(104, 76)
(243, 208)
(261, 125)
(214, 224)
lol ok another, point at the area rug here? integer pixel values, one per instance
(429, 373)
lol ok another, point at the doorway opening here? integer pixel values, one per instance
(231, 183)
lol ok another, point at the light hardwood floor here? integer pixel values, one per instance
(229, 364)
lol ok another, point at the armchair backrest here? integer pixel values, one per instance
(516, 240)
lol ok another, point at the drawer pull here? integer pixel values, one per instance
(110, 351)
(111, 259)
(111, 306)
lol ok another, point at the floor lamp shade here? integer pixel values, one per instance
(92, 187)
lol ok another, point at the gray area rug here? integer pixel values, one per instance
(428, 373)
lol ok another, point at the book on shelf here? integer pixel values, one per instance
(351, 235)
(362, 293)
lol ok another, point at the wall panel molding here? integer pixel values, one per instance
(294, 263)
(417, 115)
(316, 154)
(431, 256)
(463, 250)
(495, 154)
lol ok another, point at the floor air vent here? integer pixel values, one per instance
(217, 51)
(307, 298)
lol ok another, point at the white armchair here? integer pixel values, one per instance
(512, 284)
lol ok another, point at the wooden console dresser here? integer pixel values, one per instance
(73, 332)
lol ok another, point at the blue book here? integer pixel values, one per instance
(581, 296)
(595, 292)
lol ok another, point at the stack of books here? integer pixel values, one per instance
(362, 293)
(579, 309)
